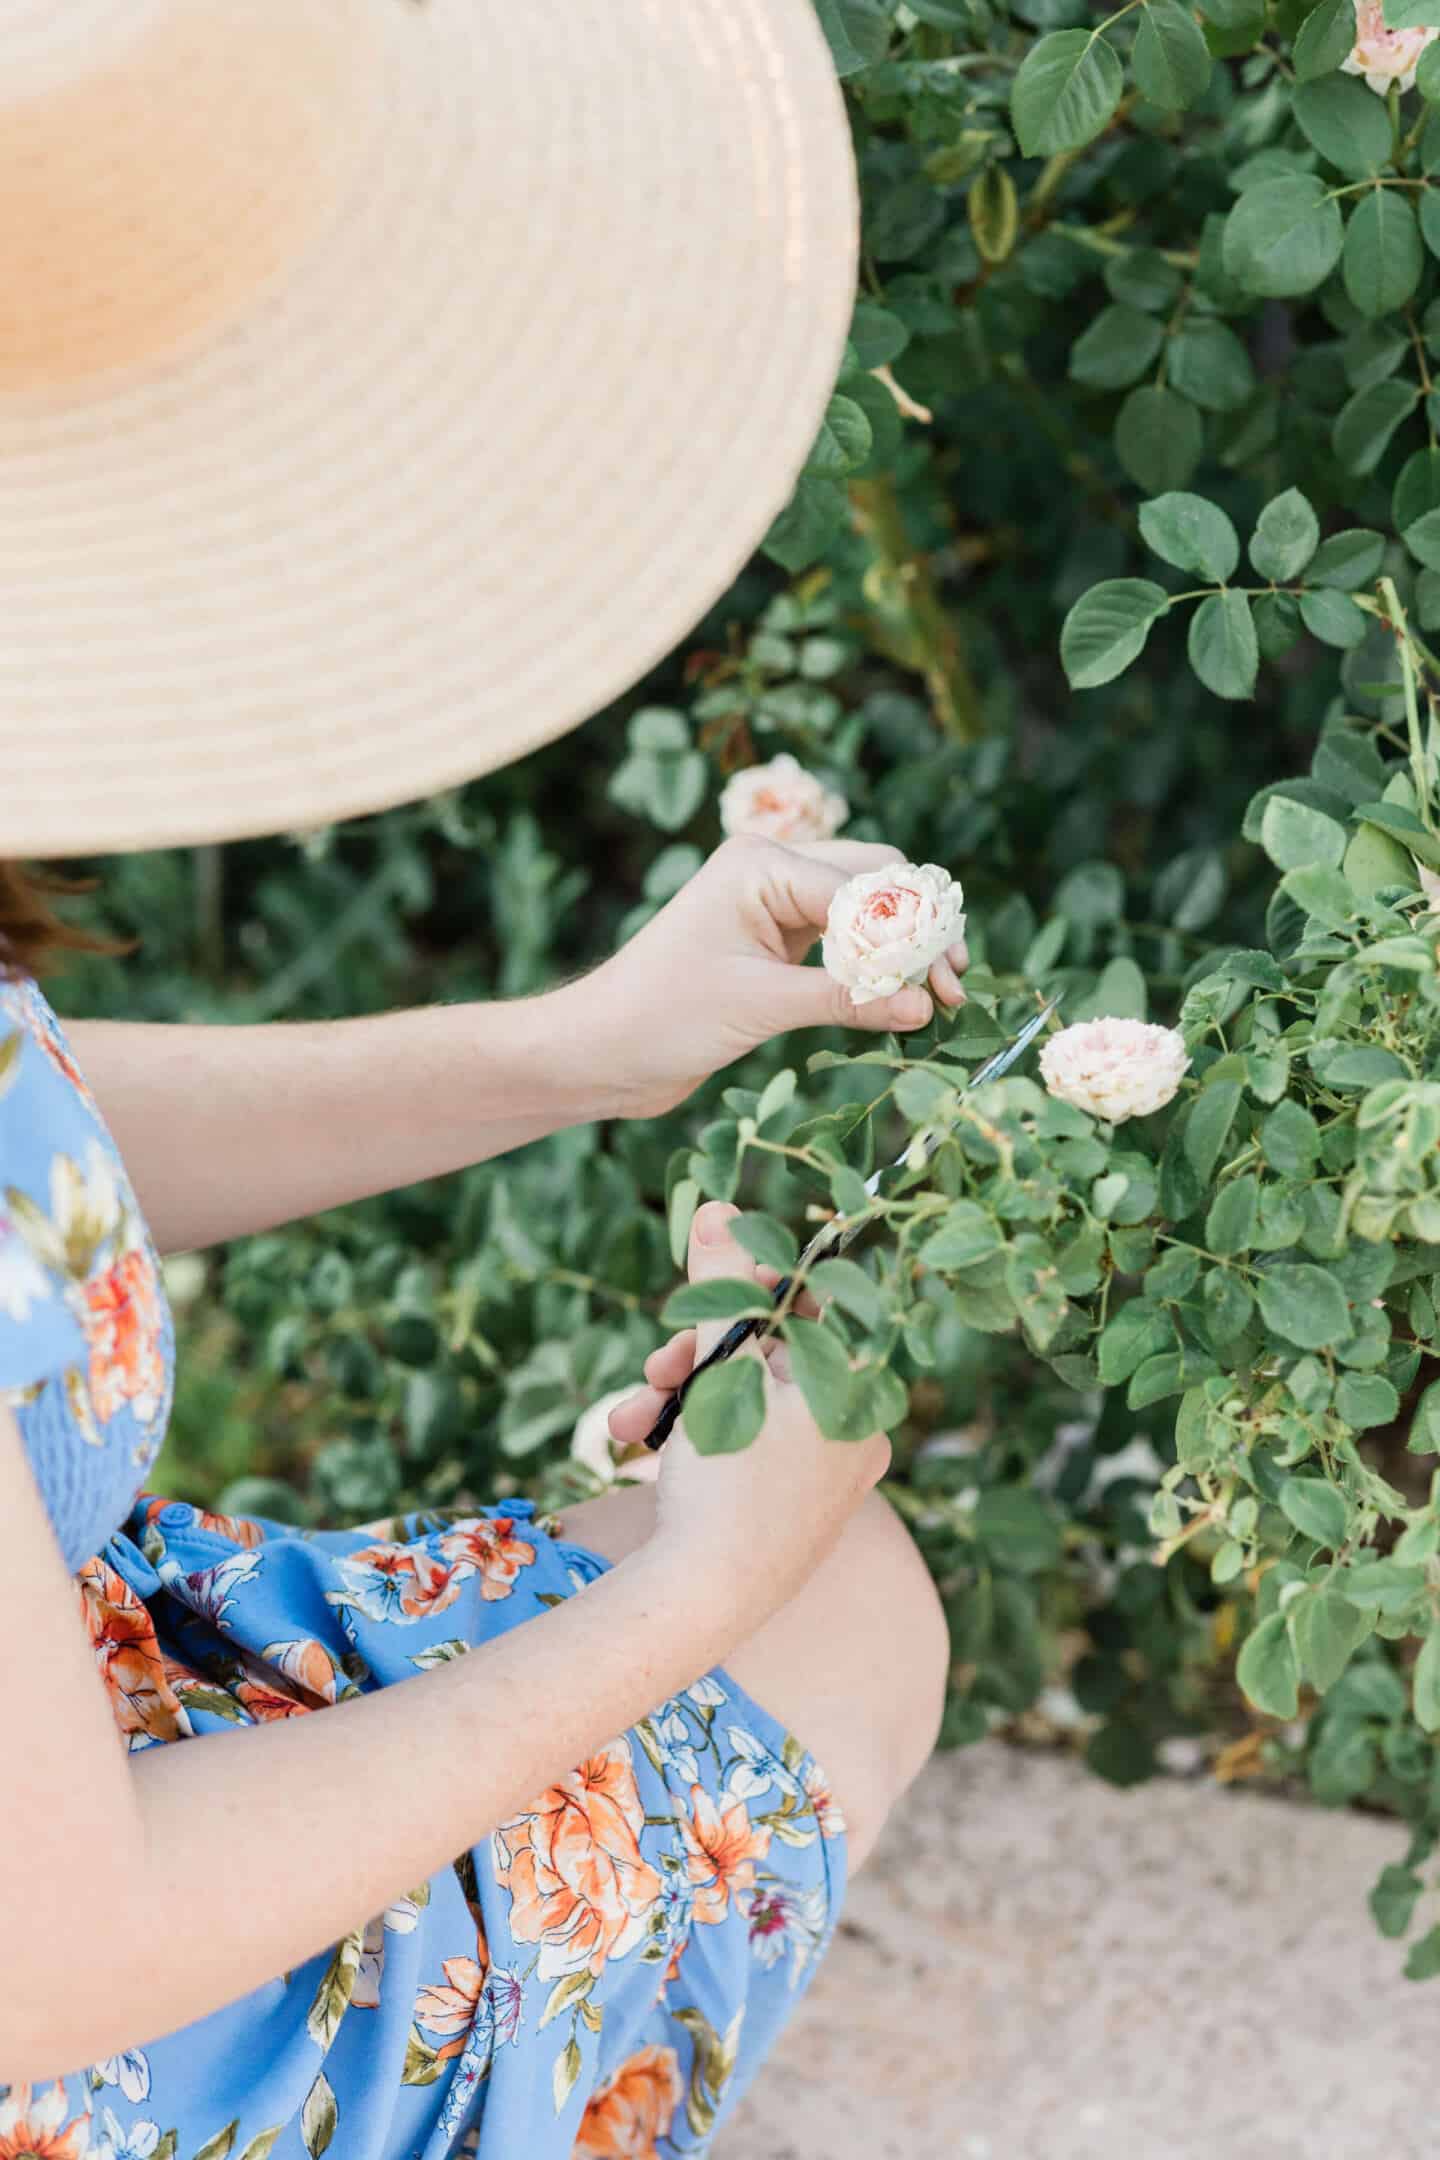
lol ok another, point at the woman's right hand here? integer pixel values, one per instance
(752, 1527)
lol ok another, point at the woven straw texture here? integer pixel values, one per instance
(386, 384)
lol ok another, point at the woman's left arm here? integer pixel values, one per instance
(227, 1130)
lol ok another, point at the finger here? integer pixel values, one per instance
(715, 1254)
(668, 1366)
(797, 884)
(632, 1419)
(804, 1304)
(946, 983)
(959, 956)
(815, 999)
(849, 857)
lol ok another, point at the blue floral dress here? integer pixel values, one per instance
(600, 1977)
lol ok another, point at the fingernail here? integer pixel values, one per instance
(912, 1008)
(712, 1224)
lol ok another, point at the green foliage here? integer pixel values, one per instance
(1111, 592)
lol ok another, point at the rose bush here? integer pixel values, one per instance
(1135, 291)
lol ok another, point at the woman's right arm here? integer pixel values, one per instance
(245, 1853)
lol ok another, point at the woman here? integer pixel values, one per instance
(458, 1913)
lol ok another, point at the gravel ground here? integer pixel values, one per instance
(1037, 1967)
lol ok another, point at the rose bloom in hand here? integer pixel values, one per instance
(1115, 1069)
(887, 927)
(781, 801)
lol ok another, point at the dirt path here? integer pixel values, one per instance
(1038, 1967)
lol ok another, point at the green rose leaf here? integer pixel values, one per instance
(844, 442)
(1395, 1895)
(1417, 488)
(1325, 39)
(1317, 1510)
(1116, 349)
(1383, 256)
(846, 1404)
(1170, 58)
(1347, 123)
(1304, 1304)
(1065, 93)
(767, 1241)
(1018, 1528)
(1430, 217)
(1423, 539)
(966, 1235)
(1423, 1962)
(1426, 1683)
(1347, 560)
(1366, 1400)
(1283, 237)
(1290, 1140)
(1192, 534)
(877, 336)
(1363, 427)
(858, 32)
(1138, 1331)
(812, 518)
(1230, 1224)
(725, 1406)
(1158, 438)
(1327, 1633)
(1286, 537)
(1208, 364)
(852, 1289)
(1107, 628)
(1142, 278)
(724, 1297)
(1222, 646)
(1266, 1669)
(1334, 618)
(1208, 1126)
(1294, 836)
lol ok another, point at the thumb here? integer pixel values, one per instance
(817, 1000)
(715, 1254)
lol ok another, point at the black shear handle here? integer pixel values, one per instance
(732, 1340)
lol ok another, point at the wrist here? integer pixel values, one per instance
(596, 1059)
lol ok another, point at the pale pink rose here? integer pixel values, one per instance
(781, 801)
(1430, 886)
(1115, 1069)
(888, 927)
(591, 1444)
(1381, 55)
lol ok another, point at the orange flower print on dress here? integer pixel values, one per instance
(308, 1666)
(722, 1845)
(124, 1331)
(488, 1546)
(401, 1583)
(451, 2007)
(122, 1635)
(36, 2129)
(266, 1704)
(577, 1883)
(628, 2115)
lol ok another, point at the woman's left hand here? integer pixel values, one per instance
(719, 970)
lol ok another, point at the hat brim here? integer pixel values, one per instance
(512, 420)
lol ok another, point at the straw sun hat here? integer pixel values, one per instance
(384, 384)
